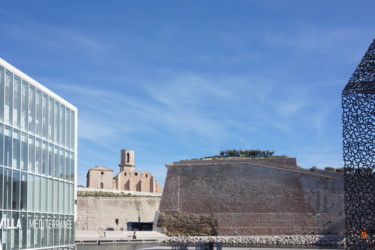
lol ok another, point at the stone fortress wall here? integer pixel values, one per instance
(100, 213)
(250, 197)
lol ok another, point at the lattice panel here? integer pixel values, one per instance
(358, 102)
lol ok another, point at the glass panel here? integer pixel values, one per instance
(62, 234)
(62, 164)
(15, 232)
(66, 198)
(23, 160)
(17, 101)
(45, 116)
(55, 196)
(16, 191)
(62, 124)
(43, 231)
(1, 143)
(71, 198)
(67, 165)
(37, 192)
(38, 113)
(61, 197)
(1, 93)
(43, 195)
(67, 127)
(50, 232)
(31, 118)
(30, 231)
(50, 119)
(8, 107)
(23, 191)
(31, 193)
(31, 164)
(23, 234)
(72, 176)
(8, 147)
(7, 233)
(37, 232)
(1, 188)
(50, 196)
(51, 161)
(7, 188)
(67, 234)
(57, 162)
(57, 123)
(24, 104)
(45, 158)
(38, 156)
(16, 149)
(56, 237)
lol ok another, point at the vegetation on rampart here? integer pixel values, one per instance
(331, 169)
(248, 153)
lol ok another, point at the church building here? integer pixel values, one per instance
(128, 179)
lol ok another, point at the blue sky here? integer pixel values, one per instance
(176, 80)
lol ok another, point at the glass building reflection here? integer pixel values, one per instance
(38, 149)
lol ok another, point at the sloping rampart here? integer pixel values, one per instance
(232, 197)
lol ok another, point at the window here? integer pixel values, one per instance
(38, 156)
(62, 124)
(45, 169)
(16, 149)
(8, 147)
(31, 164)
(7, 188)
(57, 162)
(62, 163)
(45, 116)
(17, 101)
(23, 160)
(8, 107)
(38, 111)
(24, 102)
(16, 190)
(50, 119)
(31, 192)
(101, 185)
(51, 161)
(23, 191)
(31, 118)
(57, 123)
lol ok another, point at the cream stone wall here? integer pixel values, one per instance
(99, 213)
(100, 177)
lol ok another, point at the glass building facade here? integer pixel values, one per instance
(38, 152)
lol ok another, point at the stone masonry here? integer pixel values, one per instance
(251, 197)
(99, 213)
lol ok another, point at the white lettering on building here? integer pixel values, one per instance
(8, 223)
(50, 224)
